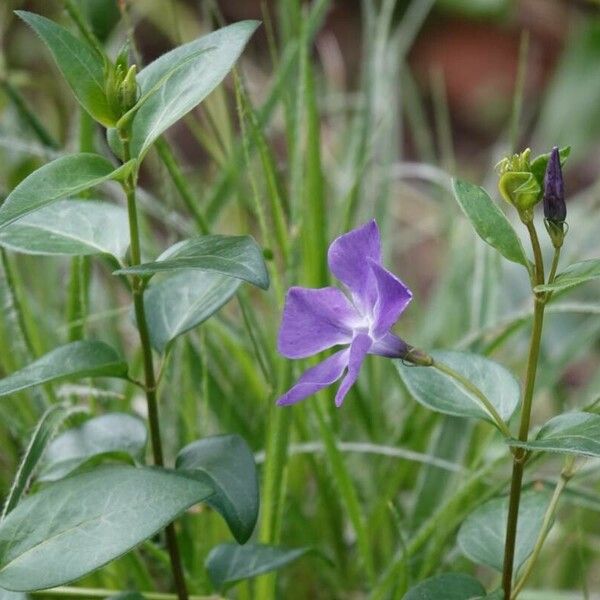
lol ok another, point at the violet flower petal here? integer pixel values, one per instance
(358, 351)
(555, 208)
(389, 346)
(314, 320)
(348, 260)
(392, 298)
(317, 378)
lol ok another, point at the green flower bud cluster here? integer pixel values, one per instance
(518, 184)
(122, 90)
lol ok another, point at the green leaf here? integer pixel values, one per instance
(41, 437)
(235, 256)
(6, 595)
(65, 176)
(489, 221)
(182, 301)
(573, 275)
(229, 563)
(113, 435)
(449, 586)
(80, 65)
(191, 82)
(227, 464)
(539, 164)
(482, 535)
(70, 227)
(127, 596)
(73, 361)
(444, 394)
(573, 433)
(79, 524)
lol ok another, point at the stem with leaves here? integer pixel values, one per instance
(150, 382)
(520, 455)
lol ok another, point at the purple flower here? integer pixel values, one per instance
(555, 208)
(317, 319)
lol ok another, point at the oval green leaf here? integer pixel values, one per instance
(65, 176)
(229, 563)
(442, 393)
(227, 464)
(80, 65)
(449, 586)
(482, 535)
(574, 275)
(113, 435)
(72, 361)
(70, 227)
(235, 256)
(79, 524)
(182, 301)
(489, 221)
(573, 433)
(211, 57)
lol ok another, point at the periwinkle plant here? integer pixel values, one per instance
(457, 383)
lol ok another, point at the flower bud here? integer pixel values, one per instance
(128, 90)
(555, 208)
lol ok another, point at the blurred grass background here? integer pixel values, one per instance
(342, 110)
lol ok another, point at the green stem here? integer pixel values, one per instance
(520, 454)
(554, 266)
(81, 592)
(149, 375)
(470, 387)
(565, 476)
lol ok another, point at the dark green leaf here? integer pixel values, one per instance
(80, 65)
(449, 586)
(230, 563)
(70, 227)
(573, 275)
(111, 435)
(482, 535)
(182, 301)
(489, 221)
(574, 433)
(442, 393)
(74, 361)
(227, 464)
(213, 57)
(79, 524)
(65, 176)
(235, 256)
(43, 434)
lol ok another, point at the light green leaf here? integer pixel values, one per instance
(489, 221)
(235, 256)
(482, 535)
(6, 595)
(182, 301)
(79, 524)
(449, 586)
(573, 275)
(214, 56)
(573, 433)
(80, 65)
(227, 464)
(444, 394)
(73, 361)
(114, 435)
(70, 227)
(127, 596)
(229, 563)
(41, 437)
(65, 176)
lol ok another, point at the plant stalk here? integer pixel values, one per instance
(520, 454)
(149, 375)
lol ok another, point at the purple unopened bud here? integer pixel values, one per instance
(555, 208)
